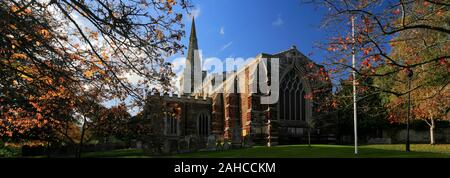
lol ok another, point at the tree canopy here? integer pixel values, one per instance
(59, 55)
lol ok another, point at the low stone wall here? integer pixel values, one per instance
(396, 136)
(441, 135)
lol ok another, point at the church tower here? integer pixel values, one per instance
(192, 76)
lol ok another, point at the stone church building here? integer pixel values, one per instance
(239, 119)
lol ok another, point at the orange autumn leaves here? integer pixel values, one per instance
(19, 56)
(20, 11)
(35, 111)
(41, 32)
(366, 55)
(166, 4)
(96, 66)
(51, 66)
(426, 103)
(169, 4)
(31, 90)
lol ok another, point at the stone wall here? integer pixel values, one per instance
(398, 136)
(441, 135)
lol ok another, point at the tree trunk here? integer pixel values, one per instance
(433, 125)
(309, 137)
(80, 146)
(48, 149)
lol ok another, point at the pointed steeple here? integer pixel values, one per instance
(190, 58)
(192, 40)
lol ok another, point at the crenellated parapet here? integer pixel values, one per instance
(170, 97)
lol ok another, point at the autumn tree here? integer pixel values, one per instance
(422, 26)
(53, 51)
(111, 122)
(376, 23)
(371, 112)
(430, 96)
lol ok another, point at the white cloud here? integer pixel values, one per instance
(222, 31)
(133, 78)
(279, 21)
(225, 46)
(195, 12)
(178, 65)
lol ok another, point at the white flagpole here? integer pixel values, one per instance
(354, 86)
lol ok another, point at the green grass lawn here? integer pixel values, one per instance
(300, 151)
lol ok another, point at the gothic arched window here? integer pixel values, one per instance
(286, 102)
(203, 124)
(171, 125)
(303, 106)
(297, 102)
(292, 103)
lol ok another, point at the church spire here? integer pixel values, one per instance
(192, 63)
(192, 40)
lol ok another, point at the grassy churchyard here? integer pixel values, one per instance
(300, 151)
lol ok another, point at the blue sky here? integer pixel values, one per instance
(245, 28)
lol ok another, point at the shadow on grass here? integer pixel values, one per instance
(286, 151)
(317, 151)
(123, 153)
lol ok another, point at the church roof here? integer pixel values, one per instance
(292, 49)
